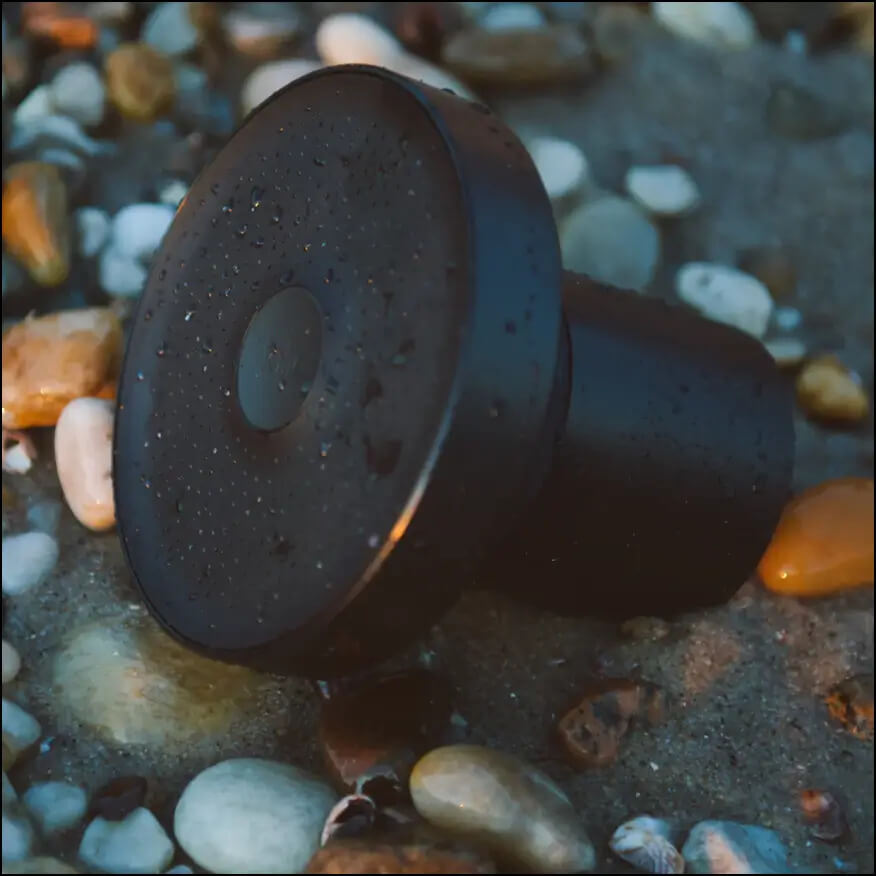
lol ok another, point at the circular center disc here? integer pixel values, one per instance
(279, 359)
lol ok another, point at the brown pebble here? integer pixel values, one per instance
(519, 58)
(851, 703)
(50, 360)
(140, 81)
(423, 28)
(823, 813)
(591, 732)
(119, 798)
(828, 391)
(645, 629)
(384, 727)
(774, 266)
(36, 220)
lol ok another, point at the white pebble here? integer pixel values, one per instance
(270, 78)
(92, 227)
(665, 190)
(350, 38)
(173, 193)
(83, 457)
(720, 25)
(17, 459)
(252, 815)
(35, 106)
(561, 165)
(786, 351)
(11, 662)
(62, 131)
(9, 795)
(28, 559)
(55, 806)
(180, 868)
(20, 729)
(726, 295)
(17, 836)
(787, 319)
(78, 91)
(137, 844)
(511, 16)
(169, 29)
(138, 229)
(121, 274)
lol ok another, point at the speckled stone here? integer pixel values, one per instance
(728, 847)
(516, 810)
(137, 844)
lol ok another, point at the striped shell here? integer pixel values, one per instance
(644, 843)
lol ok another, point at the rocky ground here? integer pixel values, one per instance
(776, 135)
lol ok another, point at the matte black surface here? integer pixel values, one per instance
(321, 529)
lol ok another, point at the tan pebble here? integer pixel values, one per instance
(11, 662)
(50, 360)
(827, 390)
(36, 221)
(84, 458)
(140, 81)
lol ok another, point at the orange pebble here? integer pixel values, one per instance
(59, 24)
(824, 540)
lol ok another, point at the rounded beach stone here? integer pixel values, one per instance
(828, 391)
(561, 165)
(728, 847)
(20, 731)
(11, 662)
(28, 560)
(715, 24)
(83, 456)
(55, 806)
(169, 29)
(78, 91)
(350, 38)
(137, 844)
(665, 190)
(270, 78)
(252, 815)
(93, 228)
(516, 810)
(38, 865)
(140, 81)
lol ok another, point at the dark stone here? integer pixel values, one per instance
(424, 27)
(774, 266)
(118, 798)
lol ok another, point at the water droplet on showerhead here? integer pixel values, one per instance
(255, 197)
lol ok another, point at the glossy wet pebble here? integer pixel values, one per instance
(83, 455)
(92, 228)
(824, 540)
(77, 90)
(516, 810)
(664, 190)
(50, 360)
(561, 165)
(28, 559)
(613, 242)
(55, 806)
(11, 662)
(714, 24)
(252, 815)
(829, 391)
(169, 28)
(728, 847)
(726, 295)
(20, 732)
(644, 842)
(137, 844)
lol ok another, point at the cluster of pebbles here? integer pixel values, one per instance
(109, 112)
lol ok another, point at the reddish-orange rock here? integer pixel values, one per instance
(824, 540)
(851, 703)
(36, 223)
(50, 360)
(60, 24)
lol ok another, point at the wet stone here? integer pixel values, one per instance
(830, 392)
(850, 703)
(11, 662)
(728, 847)
(383, 727)
(55, 806)
(140, 81)
(118, 798)
(492, 798)
(592, 731)
(20, 732)
(424, 27)
(78, 91)
(519, 57)
(28, 560)
(137, 844)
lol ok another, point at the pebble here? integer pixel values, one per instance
(787, 319)
(799, 114)
(172, 193)
(92, 228)
(35, 106)
(28, 559)
(55, 806)
(40, 864)
(491, 797)
(261, 30)
(725, 295)
(77, 91)
(11, 662)
(17, 836)
(664, 190)
(138, 229)
(387, 724)
(36, 223)
(511, 16)
(774, 266)
(644, 842)
(714, 24)
(547, 56)
(270, 78)
(140, 81)
(728, 847)
(850, 703)
(611, 241)
(152, 691)
(255, 815)
(829, 392)
(50, 360)
(592, 731)
(617, 32)
(180, 868)
(120, 274)
(401, 856)
(20, 731)
(137, 844)
(350, 38)
(423, 27)
(788, 352)
(45, 515)
(823, 542)
(118, 798)
(59, 24)
(562, 166)
(16, 456)
(823, 814)
(169, 29)
(57, 131)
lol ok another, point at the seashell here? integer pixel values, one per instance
(350, 816)
(644, 843)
